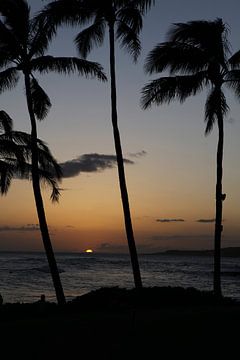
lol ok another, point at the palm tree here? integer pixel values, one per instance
(11, 154)
(23, 43)
(123, 19)
(197, 54)
(15, 158)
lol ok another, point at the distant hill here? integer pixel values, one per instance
(226, 252)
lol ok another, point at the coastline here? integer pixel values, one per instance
(225, 252)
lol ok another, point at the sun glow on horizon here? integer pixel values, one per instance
(89, 251)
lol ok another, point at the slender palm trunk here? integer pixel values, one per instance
(219, 208)
(39, 201)
(121, 172)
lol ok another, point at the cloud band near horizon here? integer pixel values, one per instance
(28, 227)
(169, 220)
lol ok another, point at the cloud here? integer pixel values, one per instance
(169, 220)
(28, 227)
(138, 154)
(89, 163)
(205, 221)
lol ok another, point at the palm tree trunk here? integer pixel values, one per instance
(121, 172)
(39, 201)
(219, 208)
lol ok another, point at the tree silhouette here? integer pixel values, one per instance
(15, 158)
(123, 19)
(23, 43)
(197, 54)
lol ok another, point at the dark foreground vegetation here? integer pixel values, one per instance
(114, 323)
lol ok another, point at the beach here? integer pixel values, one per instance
(113, 324)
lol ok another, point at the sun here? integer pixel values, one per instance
(89, 251)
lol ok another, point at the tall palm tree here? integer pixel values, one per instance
(23, 43)
(197, 54)
(123, 19)
(15, 158)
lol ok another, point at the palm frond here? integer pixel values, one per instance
(69, 12)
(128, 40)
(210, 36)
(47, 161)
(41, 101)
(40, 37)
(166, 89)
(144, 5)
(18, 137)
(9, 148)
(68, 65)
(9, 44)
(6, 122)
(8, 79)
(232, 80)
(6, 175)
(131, 16)
(48, 179)
(234, 60)
(16, 17)
(90, 37)
(177, 57)
(216, 103)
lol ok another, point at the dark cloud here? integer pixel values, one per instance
(206, 221)
(169, 220)
(28, 227)
(89, 163)
(138, 154)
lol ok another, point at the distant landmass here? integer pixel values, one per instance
(226, 252)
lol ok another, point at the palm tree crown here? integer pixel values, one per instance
(125, 15)
(24, 41)
(23, 44)
(197, 55)
(123, 20)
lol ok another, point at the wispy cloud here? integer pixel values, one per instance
(205, 221)
(28, 227)
(89, 163)
(169, 220)
(138, 154)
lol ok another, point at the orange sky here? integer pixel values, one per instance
(173, 179)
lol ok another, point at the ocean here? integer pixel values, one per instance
(24, 277)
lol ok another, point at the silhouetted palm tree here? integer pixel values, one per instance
(123, 19)
(12, 159)
(197, 54)
(15, 158)
(23, 43)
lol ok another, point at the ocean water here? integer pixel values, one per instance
(25, 276)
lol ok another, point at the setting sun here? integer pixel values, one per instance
(89, 251)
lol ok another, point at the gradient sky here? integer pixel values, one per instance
(172, 179)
